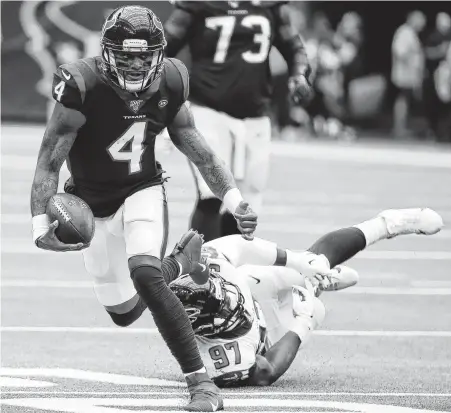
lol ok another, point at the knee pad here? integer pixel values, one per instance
(128, 318)
(148, 280)
(138, 261)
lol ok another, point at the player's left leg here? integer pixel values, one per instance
(341, 245)
(250, 165)
(145, 231)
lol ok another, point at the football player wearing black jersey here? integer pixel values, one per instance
(109, 110)
(230, 89)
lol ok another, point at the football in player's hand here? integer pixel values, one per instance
(75, 218)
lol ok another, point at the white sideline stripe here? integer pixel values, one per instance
(22, 246)
(430, 283)
(178, 212)
(151, 331)
(12, 283)
(5, 283)
(89, 376)
(396, 291)
(239, 393)
(355, 154)
(403, 255)
(21, 383)
(85, 405)
(307, 150)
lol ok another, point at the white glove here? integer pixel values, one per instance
(314, 267)
(303, 310)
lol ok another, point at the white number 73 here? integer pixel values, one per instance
(227, 24)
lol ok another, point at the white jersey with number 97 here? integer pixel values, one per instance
(228, 360)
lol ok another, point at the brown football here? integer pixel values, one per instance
(76, 220)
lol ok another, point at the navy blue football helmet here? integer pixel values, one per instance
(133, 43)
(216, 309)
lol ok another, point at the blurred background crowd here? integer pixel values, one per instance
(380, 69)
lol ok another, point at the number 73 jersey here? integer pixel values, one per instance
(230, 43)
(113, 154)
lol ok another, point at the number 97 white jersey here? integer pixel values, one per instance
(228, 360)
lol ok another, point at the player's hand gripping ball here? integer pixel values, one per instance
(75, 221)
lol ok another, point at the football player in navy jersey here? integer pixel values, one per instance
(230, 90)
(109, 110)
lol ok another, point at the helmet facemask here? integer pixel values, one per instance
(133, 45)
(134, 67)
(215, 309)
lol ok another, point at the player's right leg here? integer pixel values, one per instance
(145, 232)
(214, 128)
(135, 235)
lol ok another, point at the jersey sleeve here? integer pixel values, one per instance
(68, 87)
(193, 7)
(183, 71)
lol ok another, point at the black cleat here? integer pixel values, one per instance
(188, 251)
(205, 396)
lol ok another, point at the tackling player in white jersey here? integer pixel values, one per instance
(252, 304)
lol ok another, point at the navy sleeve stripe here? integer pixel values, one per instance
(79, 80)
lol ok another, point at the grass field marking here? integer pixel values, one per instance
(73, 284)
(9, 382)
(114, 330)
(18, 246)
(103, 405)
(119, 379)
(238, 393)
(421, 289)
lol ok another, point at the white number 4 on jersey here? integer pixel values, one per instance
(134, 134)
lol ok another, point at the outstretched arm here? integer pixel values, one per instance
(276, 361)
(191, 143)
(308, 314)
(218, 177)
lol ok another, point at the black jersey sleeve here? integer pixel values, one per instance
(194, 7)
(69, 87)
(183, 71)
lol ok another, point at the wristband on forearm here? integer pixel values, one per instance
(40, 225)
(232, 199)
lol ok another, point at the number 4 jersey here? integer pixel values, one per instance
(229, 43)
(113, 155)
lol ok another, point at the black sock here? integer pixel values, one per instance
(338, 246)
(170, 269)
(167, 310)
(229, 225)
(206, 218)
